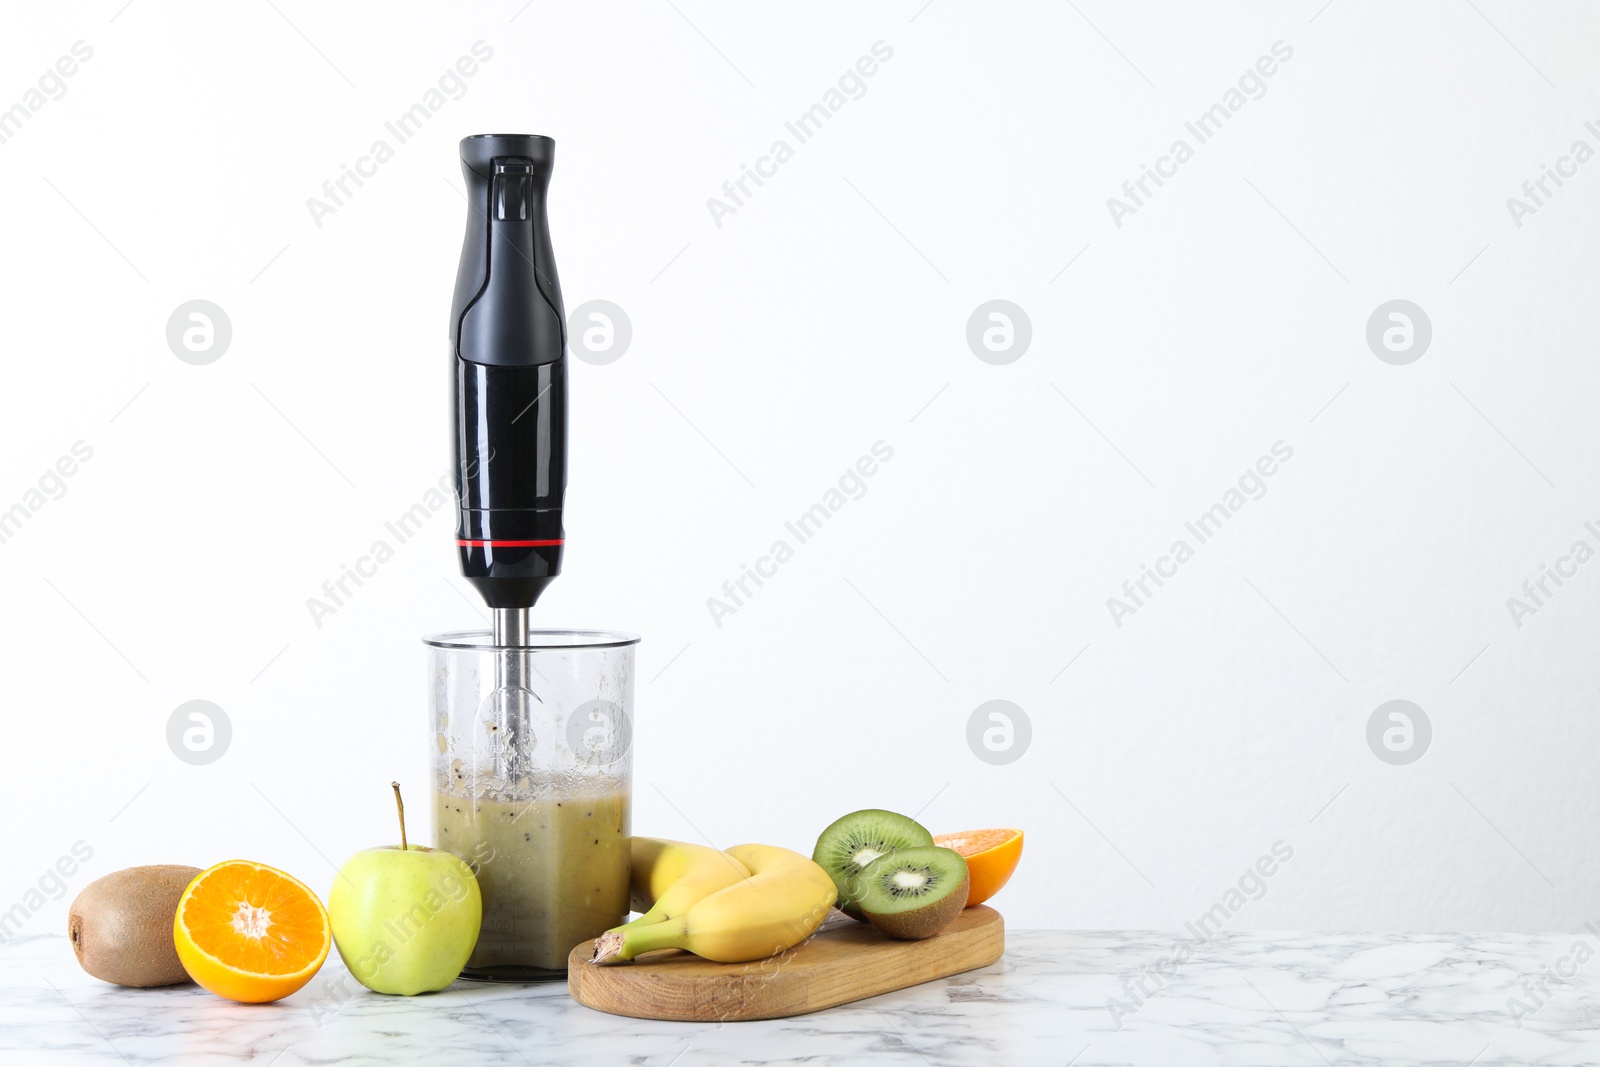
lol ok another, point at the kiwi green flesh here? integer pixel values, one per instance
(853, 841)
(121, 925)
(907, 879)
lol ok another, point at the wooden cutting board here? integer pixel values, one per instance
(842, 962)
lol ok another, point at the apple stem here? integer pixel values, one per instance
(400, 806)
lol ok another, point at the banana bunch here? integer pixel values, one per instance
(747, 903)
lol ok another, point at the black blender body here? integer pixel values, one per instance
(508, 340)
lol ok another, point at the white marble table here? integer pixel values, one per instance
(1393, 999)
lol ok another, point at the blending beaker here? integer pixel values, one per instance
(532, 754)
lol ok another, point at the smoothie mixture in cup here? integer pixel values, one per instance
(532, 785)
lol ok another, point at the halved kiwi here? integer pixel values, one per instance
(913, 893)
(853, 841)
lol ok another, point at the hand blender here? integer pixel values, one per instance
(508, 342)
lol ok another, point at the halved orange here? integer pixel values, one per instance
(991, 857)
(249, 932)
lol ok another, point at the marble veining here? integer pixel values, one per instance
(1058, 998)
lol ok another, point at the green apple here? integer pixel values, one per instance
(405, 917)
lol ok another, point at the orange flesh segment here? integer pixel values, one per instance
(972, 842)
(255, 919)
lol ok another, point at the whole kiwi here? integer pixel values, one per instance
(121, 925)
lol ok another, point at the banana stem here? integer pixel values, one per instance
(608, 947)
(626, 942)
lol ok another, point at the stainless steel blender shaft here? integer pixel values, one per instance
(512, 694)
(510, 626)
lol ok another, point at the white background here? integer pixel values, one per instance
(829, 312)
